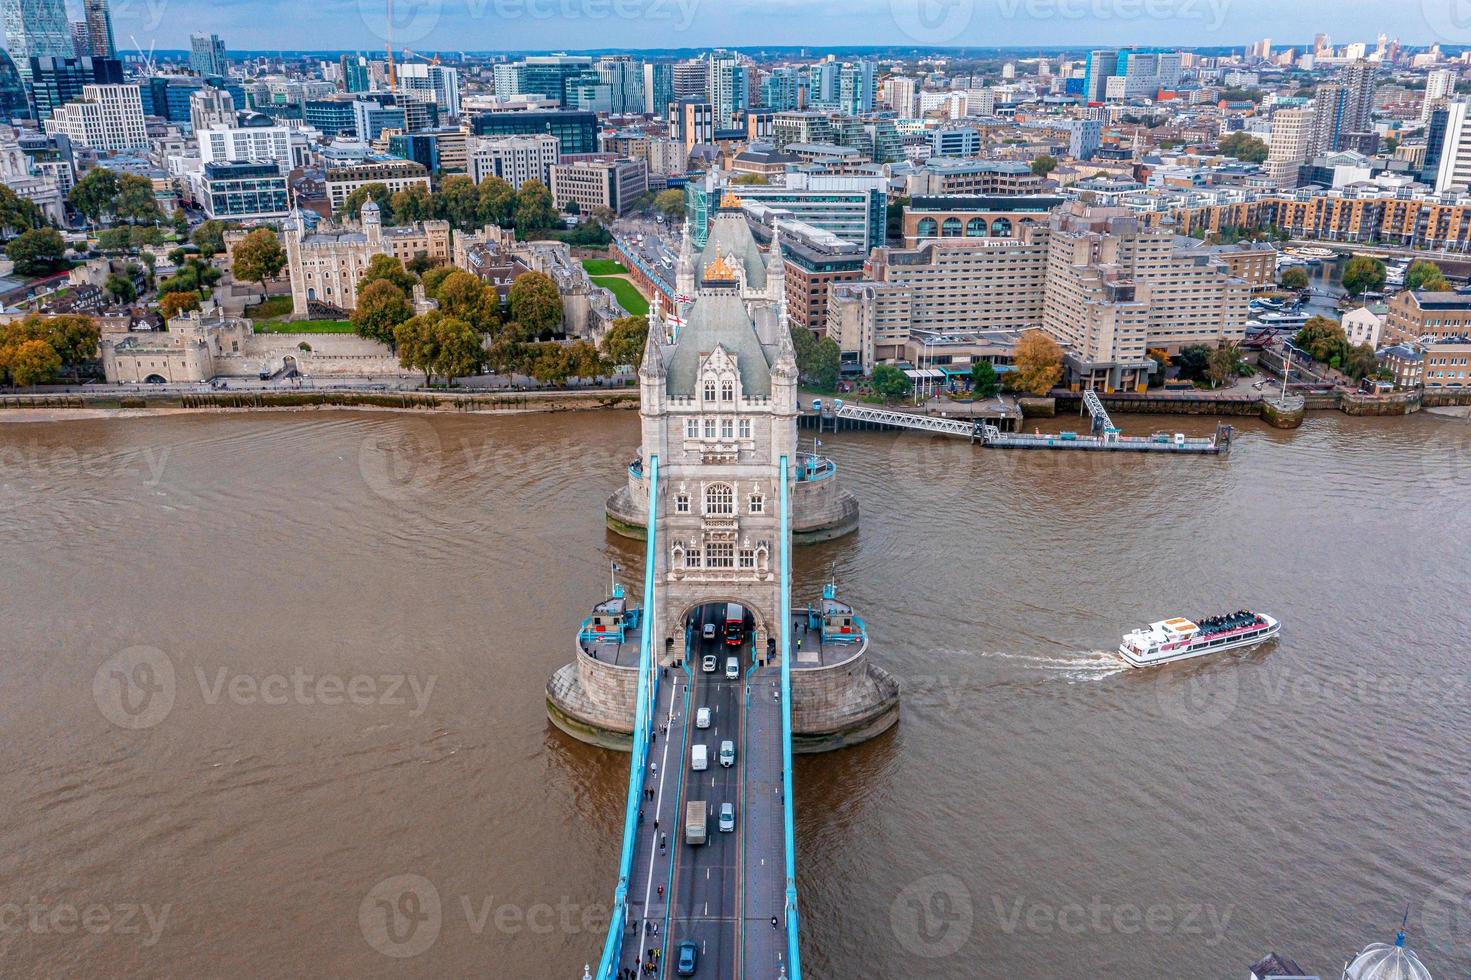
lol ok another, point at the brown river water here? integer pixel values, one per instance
(257, 666)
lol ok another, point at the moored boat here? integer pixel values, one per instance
(1181, 639)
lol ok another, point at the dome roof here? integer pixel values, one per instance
(1382, 961)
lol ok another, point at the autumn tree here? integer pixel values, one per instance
(435, 277)
(411, 204)
(1222, 364)
(381, 307)
(536, 304)
(172, 304)
(258, 257)
(1037, 363)
(464, 296)
(624, 342)
(439, 345)
(30, 362)
(1425, 275)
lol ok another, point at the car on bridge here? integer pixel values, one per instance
(707, 663)
(732, 668)
(689, 957)
(702, 718)
(727, 753)
(727, 817)
(709, 631)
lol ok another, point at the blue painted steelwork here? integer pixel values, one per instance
(592, 632)
(811, 467)
(794, 962)
(638, 764)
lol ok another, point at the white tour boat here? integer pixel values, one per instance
(1180, 638)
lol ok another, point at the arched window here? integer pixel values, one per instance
(719, 499)
(952, 228)
(928, 228)
(975, 228)
(727, 390)
(1001, 228)
(710, 390)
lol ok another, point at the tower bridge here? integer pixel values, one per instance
(712, 681)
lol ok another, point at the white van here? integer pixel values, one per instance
(699, 758)
(732, 668)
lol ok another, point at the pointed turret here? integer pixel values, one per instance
(776, 276)
(684, 271)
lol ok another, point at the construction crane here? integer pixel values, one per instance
(406, 53)
(147, 58)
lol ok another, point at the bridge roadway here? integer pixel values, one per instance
(721, 895)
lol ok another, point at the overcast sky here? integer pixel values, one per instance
(574, 24)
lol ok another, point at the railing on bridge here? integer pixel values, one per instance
(638, 763)
(1102, 424)
(920, 423)
(794, 962)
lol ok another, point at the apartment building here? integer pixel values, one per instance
(1414, 316)
(815, 260)
(515, 159)
(945, 177)
(594, 184)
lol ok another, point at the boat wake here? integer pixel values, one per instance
(1085, 665)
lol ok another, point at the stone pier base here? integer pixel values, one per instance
(832, 708)
(1282, 418)
(819, 513)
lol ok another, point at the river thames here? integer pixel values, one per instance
(260, 664)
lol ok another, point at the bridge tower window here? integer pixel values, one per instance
(757, 504)
(710, 390)
(727, 390)
(682, 503)
(719, 500)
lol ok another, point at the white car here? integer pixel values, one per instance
(707, 664)
(727, 817)
(702, 718)
(727, 753)
(709, 631)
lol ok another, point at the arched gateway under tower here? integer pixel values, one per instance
(718, 409)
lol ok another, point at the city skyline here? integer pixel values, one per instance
(580, 25)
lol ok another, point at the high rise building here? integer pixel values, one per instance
(727, 84)
(779, 91)
(57, 81)
(1439, 84)
(514, 159)
(99, 29)
(690, 79)
(856, 88)
(210, 106)
(1329, 103)
(1448, 149)
(1102, 65)
(81, 43)
(207, 54)
(658, 87)
(625, 80)
(903, 96)
(35, 29)
(107, 117)
(355, 77)
(1292, 131)
(1359, 78)
(437, 83)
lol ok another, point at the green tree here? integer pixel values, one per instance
(135, 201)
(1363, 274)
(180, 221)
(1422, 272)
(534, 209)
(1036, 363)
(748, 180)
(625, 340)
(458, 202)
(73, 336)
(826, 363)
(984, 380)
(381, 307)
(433, 278)
(536, 304)
(390, 268)
(1294, 278)
(172, 304)
(1044, 165)
(804, 344)
(1244, 147)
(94, 195)
(1192, 362)
(417, 345)
(497, 203)
(421, 263)
(114, 240)
(412, 204)
(1324, 341)
(1360, 362)
(378, 193)
(258, 257)
(18, 214)
(460, 349)
(1222, 364)
(121, 289)
(670, 204)
(210, 237)
(36, 252)
(889, 382)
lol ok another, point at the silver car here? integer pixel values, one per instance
(727, 817)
